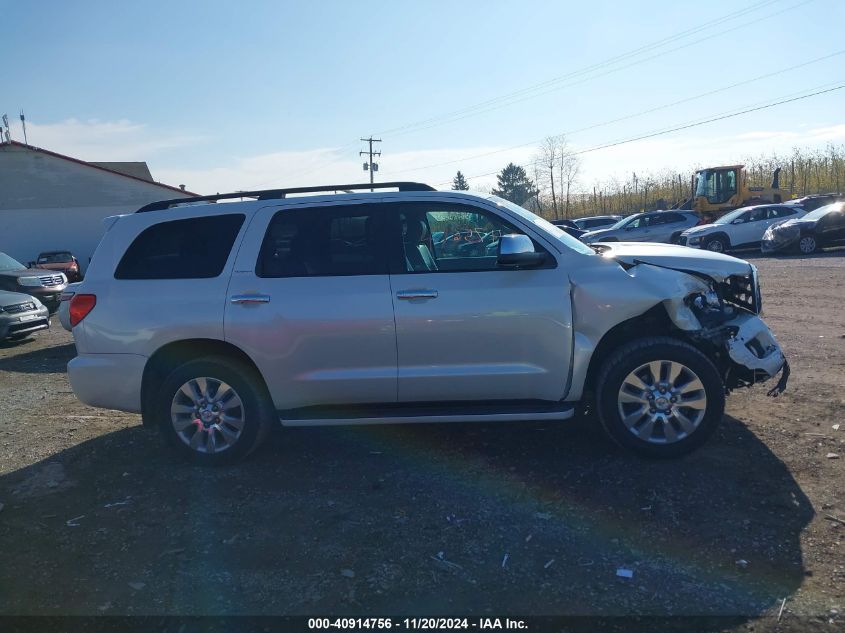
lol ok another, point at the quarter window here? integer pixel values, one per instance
(195, 248)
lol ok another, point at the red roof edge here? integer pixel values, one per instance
(105, 169)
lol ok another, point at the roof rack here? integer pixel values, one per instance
(278, 194)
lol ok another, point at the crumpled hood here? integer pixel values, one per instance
(715, 265)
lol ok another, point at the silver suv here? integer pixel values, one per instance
(655, 226)
(216, 321)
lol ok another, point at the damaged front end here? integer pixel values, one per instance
(715, 300)
(728, 312)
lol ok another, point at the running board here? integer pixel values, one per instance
(396, 415)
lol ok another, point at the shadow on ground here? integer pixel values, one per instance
(44, 360)
(485, 520)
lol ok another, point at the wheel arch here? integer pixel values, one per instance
(169, 356)
(721, 235)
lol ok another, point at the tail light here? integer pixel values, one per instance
(80, 306)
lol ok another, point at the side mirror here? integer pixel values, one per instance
(518, 251)
(738, 221)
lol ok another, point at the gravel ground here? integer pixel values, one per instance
(99, 518)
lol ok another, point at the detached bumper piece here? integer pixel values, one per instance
(755, 349)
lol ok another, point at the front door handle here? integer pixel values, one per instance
(251, 298)
(416, 294)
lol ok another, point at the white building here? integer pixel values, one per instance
(53, 202)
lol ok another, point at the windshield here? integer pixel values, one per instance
(55, 258)
(7, 263)
(819, 213)
(544, 225)
(624, 221)
(730, 217)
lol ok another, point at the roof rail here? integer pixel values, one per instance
(278, 194)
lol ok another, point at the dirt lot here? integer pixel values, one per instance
(99, 518)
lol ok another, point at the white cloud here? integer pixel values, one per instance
(95, 140)
(127, 140)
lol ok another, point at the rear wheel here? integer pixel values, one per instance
(716, 244)
(807, 245)
(214, 410)
(659, 397)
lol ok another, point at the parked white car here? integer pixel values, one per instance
(215, 321)
(741, 228)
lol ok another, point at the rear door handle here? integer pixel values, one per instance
(250, 299)
(416, 294)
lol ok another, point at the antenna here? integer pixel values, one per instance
(23, 124)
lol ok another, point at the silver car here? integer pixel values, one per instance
(655, 226)
(21, 315)
(217, 321)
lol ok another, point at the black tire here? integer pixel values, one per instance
(807, 245)
(676, 237)
(258, 412)
(633, 355)
(716, 244)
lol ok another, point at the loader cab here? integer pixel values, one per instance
(717, 185)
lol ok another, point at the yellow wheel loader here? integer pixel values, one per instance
(717, 190)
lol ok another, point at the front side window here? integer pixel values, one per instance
(451, 238)
(325, 242)
(195, 248)
(758, 214)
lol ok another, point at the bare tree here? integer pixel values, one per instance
(570, 168)
(547, 161)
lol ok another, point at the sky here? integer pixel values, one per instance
(225, 96)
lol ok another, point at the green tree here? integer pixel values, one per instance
(459, 183)
(515, 185)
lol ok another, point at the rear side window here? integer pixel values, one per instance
(780, 212)
(325, 242)
(196, 248)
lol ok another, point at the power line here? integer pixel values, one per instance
(520, 96)
(467, 111)
(628, 116)
(680, 127)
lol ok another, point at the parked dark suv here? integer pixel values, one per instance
(44, 285)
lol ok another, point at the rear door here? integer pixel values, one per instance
(310, 302)
(468, 330)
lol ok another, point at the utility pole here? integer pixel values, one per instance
(370, 166)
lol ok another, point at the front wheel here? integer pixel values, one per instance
(807, 245)
(659, 397)
(716, 245)
(214, 410)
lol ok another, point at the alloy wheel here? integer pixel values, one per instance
(662, 402)
(207, 415)
(807, 244)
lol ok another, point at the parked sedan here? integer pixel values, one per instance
(655, 226)
(569, 227)
(593, 222)
(819, 228)
(62, 261)
(21, 315)
(44, 285)
(740, 228)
